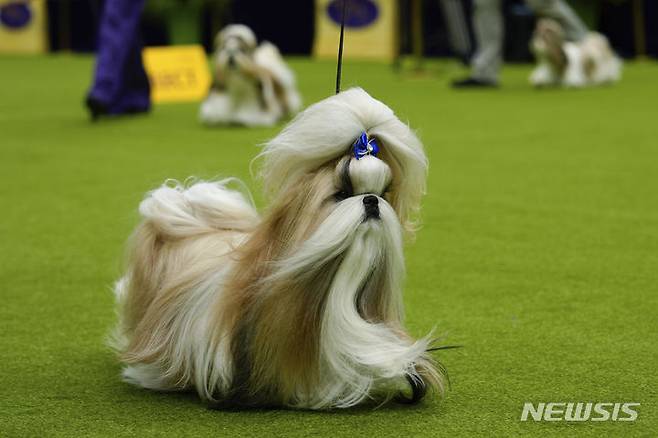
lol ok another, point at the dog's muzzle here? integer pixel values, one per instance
(371, 204)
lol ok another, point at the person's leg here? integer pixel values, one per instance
(134, 96)
(117, 42)
(559, 10)
(457, 27)
(489, 32)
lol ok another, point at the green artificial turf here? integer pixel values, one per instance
(539, 251)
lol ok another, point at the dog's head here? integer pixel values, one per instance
(547, 43)
(343, 151)
(346, 177)
(234, 47)
(345, 168)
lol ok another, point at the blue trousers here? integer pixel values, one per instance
(120, 81)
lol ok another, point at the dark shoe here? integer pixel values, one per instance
(474, 83)
(96, 108)
(136, 110)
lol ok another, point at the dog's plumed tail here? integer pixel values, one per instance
(175, 211)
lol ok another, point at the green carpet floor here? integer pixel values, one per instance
(539, 252)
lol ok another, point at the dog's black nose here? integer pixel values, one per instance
(371, 204)
(231, 61)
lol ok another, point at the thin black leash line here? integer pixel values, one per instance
(339, 67)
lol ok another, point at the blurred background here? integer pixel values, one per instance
(420, 27)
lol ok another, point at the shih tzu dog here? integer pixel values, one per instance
(301, 307)
(252, 84)
(590, 61)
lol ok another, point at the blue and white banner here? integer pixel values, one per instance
(23, 26)
(371, 28)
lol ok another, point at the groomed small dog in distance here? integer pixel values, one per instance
(252, 85)
(590, 61)
(301, 307)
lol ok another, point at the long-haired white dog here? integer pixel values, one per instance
(252, 84)
(299, 308)
(590, 61)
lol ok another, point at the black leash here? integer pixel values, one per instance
(339, 67)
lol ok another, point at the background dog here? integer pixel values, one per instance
(590, 61)
(302, 307)
(252, 84)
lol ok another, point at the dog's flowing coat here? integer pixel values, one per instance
(301, 307)
(572, 64)
(252, 84)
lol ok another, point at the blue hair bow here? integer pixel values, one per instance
(364, 146)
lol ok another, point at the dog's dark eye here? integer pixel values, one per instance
(341, 195)
(346, 190)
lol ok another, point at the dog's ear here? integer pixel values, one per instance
(218, 40)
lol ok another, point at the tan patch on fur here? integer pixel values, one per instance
(162, 273)
(282, 312)
(589, 66)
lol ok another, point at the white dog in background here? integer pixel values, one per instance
(252, 84)
(301, 307)
(590, 61)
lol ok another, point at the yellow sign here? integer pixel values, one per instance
(23, 26)
(177, 73)
(371, 29)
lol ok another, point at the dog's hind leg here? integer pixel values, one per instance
(207, 216)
